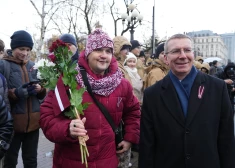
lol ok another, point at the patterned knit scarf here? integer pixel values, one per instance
(104, 86)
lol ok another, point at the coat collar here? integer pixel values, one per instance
(172, 102)
(199, 87)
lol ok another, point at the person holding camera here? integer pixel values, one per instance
(115, 94)
(24, 93)
(228, 75)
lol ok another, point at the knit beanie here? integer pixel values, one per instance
(98, 39)
(68, 38)
(129, 56)
(214, 62)
(142, 54)
(21, 38)
(159, 49)
(134, 44)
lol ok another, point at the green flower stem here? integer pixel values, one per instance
(83, 147)
(84, 150)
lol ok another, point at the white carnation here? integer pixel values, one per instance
(40, 63)
(39, 75)
(50, 64)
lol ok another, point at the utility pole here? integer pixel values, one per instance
(153, 33)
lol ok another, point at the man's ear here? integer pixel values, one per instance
(165, 58)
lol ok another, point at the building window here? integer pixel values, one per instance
(211, 45)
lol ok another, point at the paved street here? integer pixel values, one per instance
(45, 147)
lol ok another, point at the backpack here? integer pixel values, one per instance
(6, 73)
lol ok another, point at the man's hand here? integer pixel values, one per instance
(228, 81)
(125, 146)
(38, 88)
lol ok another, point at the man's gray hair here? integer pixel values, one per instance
(176, 36)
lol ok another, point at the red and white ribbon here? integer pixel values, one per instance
(200, 91)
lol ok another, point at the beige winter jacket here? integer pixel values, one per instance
(155, 72)
(118, 42)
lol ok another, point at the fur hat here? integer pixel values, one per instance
(206, 66)
(134, 44)
(120, 42)
(159, 49)
(199, 58)
(129, 56)
(68, 38)
(98, 39)
(197, 64)
(21, 38)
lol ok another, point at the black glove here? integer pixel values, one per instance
(25, 85)
(31, 90)
(25, 90)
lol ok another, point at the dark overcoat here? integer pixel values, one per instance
(203, 139)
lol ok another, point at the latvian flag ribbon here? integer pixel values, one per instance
(61, 95)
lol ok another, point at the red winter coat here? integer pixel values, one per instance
(101, 144)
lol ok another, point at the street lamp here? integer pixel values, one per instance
(133, 18)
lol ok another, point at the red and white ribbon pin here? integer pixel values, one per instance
(200, 91)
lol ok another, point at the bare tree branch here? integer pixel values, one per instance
(35, 8)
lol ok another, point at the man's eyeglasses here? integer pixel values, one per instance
(179, 50)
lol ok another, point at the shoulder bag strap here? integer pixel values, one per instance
(3, 81)
(6, 67)
(101, 106)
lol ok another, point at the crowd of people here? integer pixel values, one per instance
(176, 110)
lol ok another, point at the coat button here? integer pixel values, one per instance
(187, 131)
(188, 156)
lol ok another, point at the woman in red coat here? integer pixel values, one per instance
(110, 89)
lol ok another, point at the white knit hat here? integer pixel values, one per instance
(130, 55)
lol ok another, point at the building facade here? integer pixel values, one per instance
(229, 40)
(208, 44)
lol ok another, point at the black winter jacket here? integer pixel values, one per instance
(6, 127)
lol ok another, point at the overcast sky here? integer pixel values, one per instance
(171, 17)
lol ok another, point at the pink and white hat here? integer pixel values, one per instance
(98, 39)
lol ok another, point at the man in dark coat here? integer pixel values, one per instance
(186, 119)
(228, 75)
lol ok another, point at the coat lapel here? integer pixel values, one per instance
(194, 99)
(171, 100)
